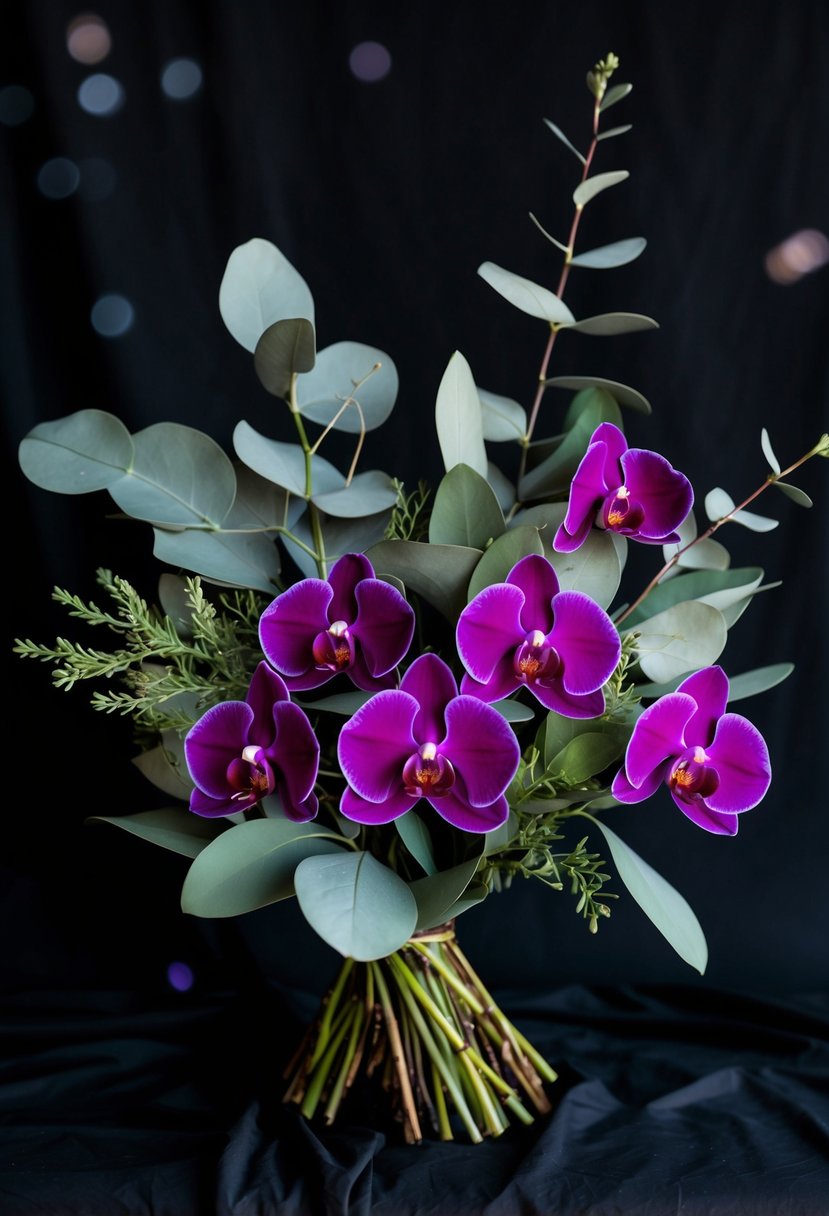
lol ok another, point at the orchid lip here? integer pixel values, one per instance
(333, 648)
(535, 660)
(250, 775)
(692, 778)
(621, 513)
(427, 772)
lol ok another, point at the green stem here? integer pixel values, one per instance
(332, 1000)
(322, 1070)
(345, 1068)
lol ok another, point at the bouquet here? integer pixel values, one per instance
(389, 701)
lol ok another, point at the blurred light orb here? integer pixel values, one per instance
(98, 179)
(101, 95)
(16, 105)
(112, 316)
(58, 177)
(369, 61)
(180, 977)
(800, 254)
(88, 39)
(181, 79)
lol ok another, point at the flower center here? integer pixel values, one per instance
(334, 648)
(621, 513)
(535, 660)
(250, 776)
(692, 779)
(427, 772)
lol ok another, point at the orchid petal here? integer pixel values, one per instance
(623, 791)
(376, 742)
(720, 823)
(359, 674)
(430, 681)
(568, 704)
(615, 446)
(586, 640)
(296, 754)
(482, 747)
(266, 688)
(500, 684)
(664, 493)
(587, 490)
(344, 577)
(741, 759)
(658, 736)
(212, 808)
(220, 734)
(488, 628)
(384, 624)
(461, 814)
(535, 576)
(709, 688)
(360, 810)
(290, 623)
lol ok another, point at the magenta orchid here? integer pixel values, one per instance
(239, 752)
(352, 622)
(424, 741)
(527, 633)
(715, 764)
(631, 491)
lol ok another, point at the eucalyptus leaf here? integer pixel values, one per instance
(622, 392)
(560, 135)
(175, 603)
(439, 573)
(609, 324)
(545, 233)
(340, 536)
(503, 419)
(345, 372)
(768, 451)
(794, 493)
(590, 407)
(705, 554)
(500, 838)
(285, 349)
(595, 185)
(685, 637)
(750, 683)
(260, 286)
(437, 893)
(606, 257)
(179, 476)
(158, 765)
(497, 561)
(172, 828)
(502, 487)
(527, 296)
(614, 94)
(252, 865)
(594, 568)
(368, 493)
(356, 904)
(718, 504)
(465, 510)
(458, 417)
(622, 130)
(696, 586)
(85, 451)
(346, 703)
(660, 902)
(232, 558)
(514, 711)
(284, 463)
(415, 835)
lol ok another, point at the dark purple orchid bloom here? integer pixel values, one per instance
(424, 741)
(353, 623)
(715, 764)
(239, 752)
(631, 491)
(527, 633)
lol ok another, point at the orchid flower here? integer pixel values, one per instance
(631, 491)
(425, 742)
(526, 632)
(353, 623)
(239, 752)
(715, 764)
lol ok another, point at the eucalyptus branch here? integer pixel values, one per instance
(313, 510)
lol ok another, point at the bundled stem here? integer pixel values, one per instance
(421, 1021)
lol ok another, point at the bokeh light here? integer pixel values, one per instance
(98, 179)
(180, 976)
(58, 178)
(112, 316)
(101, 95)
(181, 79)
(16, 105)
(88, 39)
(370, 61)
(799, 255)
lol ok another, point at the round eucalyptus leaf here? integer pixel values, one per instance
(465, 510)
(437, 893)
(527, 296)
(622, 392)
(415, 835)
(231, 558)
(685, 637)
(794, 493)
(559, 134)
(718, 504)
(344, 372)
(754, 523)
(85, 451)
(705, 554)
(356, 904)
(458, 417)
(284, 349)
(730, 584)
(172, 828)
(514, 711)
(497, 561)
(438, 573)
(614, 94)
(259, 287)
(261, 504)
(367, 494)
(594, 568)
(606, 257)
(503, 418)
(595, 185)
(179, 476)
(609, 324)
(283, 463)
(252, 865)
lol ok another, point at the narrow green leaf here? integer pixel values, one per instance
(514, 711)
(730, 585)
(458, 417)
(415, 835)
(768, 451)
(85, 451)
(587, 755)
(527, 296)
(179, 476)
(595, 185)
(794, 493)
(608, 256)
(685, 637)
(439, 573)
(660, 902)
(344, 372)
(172, 828)
(545, 233)
(623, 394)
(614, 131)
(560, 135)
(504, 420)
(164, 766)
(259, 287)
(614, 94)
(588, 409)
(502, 487)
(346, 703)
(436, 894)
(357, 905)
(284, 349)
(465, 510)
(501, 837)
(759, 680)
(496, 563)
(608, 324)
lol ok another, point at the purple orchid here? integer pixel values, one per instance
(424, 741)
(631, 491)
(239, 752)
(527, 633)
(715, 764)
(353, 623)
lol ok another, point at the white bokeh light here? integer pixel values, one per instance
(112, 316)
(181, 79)
(101, 95)
(369, 61)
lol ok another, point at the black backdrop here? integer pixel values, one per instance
(386, 196)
